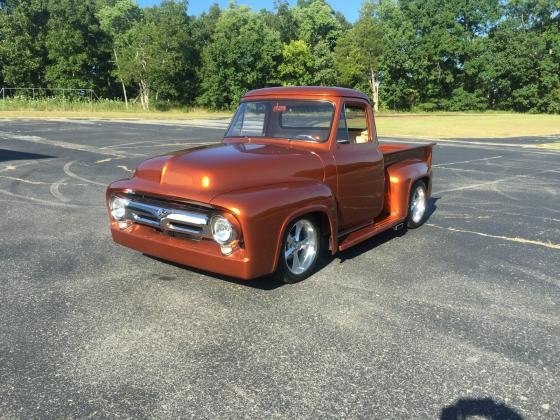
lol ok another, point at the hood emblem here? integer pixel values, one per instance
(161, 213)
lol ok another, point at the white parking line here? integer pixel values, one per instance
(467, 161)
(54, 189)
(479, 145)
(105, 160)
(504, 238)
(71, 174)
(482, 184)
(113, 146)
(12, 167)
(25, 181)
(125, 168)
(38, 200)
(65, 144)
(181, 144)
(478, 171)
(497, 212)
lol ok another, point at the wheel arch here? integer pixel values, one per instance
(265, 212)
(327, 225)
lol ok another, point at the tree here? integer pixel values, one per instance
(425, 54)
(23, 53)
(319, 27)
(284, 21)
(116, 21)
(157, 55)
(430, 52)
(357, 53)
(324, 73)
(204, 26)
(397, 65)
(297, 64)
(521, 62)
(316, 21)
(243, 54)
(78, 50)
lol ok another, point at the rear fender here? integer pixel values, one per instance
(265, 212)
(401, 177)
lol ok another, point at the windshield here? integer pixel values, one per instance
(284, 119)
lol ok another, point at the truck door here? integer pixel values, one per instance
(361, 177)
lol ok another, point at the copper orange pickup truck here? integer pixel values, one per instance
(299, 174)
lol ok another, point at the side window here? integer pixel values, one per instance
(250, 121)
(342, 133)
(356, 121)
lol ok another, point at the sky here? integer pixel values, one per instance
(349, 8)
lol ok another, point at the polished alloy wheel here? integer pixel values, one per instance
(301, 246)
(418, 204)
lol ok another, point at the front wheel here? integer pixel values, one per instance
(417, 205)
(300, 251)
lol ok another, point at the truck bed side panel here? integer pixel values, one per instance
(401, 177)
(394, 153)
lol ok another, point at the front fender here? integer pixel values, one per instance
(265, 212)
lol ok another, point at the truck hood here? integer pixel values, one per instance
(202, 173)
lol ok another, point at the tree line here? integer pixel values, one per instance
(421, 54)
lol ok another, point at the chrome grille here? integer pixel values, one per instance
(169, 217)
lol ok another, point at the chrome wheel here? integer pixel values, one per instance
(418, 204)
(301, 246)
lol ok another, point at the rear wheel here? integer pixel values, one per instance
(300, 251)
(417, 205)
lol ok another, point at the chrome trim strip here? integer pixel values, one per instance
(188, 218)
(166, 224)
(143, 220)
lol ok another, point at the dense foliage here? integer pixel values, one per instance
(423, 54)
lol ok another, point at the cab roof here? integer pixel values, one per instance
(319, 91)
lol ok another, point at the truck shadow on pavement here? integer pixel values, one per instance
(9, 155)
(383, 237)
(271, 283)
(262, 283)
(485, 408)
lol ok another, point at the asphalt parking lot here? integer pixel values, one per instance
(459, 316)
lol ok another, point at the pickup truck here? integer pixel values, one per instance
(299, 174)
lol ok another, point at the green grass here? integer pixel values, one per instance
(441, 125)
(467, 125)
(103, 108)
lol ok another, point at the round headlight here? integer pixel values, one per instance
(222, 230)
(118, 207)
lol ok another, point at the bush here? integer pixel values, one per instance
(427, 107)
(462, 100)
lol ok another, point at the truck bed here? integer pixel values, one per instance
(394, 153)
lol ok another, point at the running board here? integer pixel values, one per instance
(369, 231)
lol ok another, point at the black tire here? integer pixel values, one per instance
(417, 205)
(285, 270)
